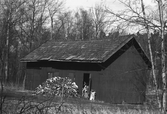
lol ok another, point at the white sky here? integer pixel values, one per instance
(113, 4)
(75, 4)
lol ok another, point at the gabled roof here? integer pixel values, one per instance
(96, 51)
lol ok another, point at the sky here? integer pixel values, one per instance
(75, 4)
(113, 4)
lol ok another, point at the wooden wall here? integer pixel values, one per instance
(124, 80)
(35, 76)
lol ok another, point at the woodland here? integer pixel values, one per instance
(26, 24)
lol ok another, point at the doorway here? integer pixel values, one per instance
(87, 80)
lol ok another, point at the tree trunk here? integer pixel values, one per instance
(51, 23)
(7, 53)
(51, 31)
(24, 82)
(151, 55)
(1, 81)
(160, 6)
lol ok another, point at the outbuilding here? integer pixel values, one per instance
(116, 69)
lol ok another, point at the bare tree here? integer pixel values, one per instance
(135, 14)
(161, 16)
(10, 17)
(54, 6)
(8, 20)
(22, 29)
(34, 15)
(64, 25)
(85, 23)
(99, 20)
(150, 51)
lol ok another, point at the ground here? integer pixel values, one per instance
(25, 102)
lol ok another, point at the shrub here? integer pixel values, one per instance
(58, 86)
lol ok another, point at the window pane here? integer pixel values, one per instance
(56, 74)
(71, 76)
(50, 75)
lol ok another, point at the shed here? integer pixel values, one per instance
(116, 69)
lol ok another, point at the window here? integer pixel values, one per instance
(50, 74)
(71, 76)
(56, 74)
(53, 74)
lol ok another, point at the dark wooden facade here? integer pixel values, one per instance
(121, 78)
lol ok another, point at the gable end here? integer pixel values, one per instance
(123, 49)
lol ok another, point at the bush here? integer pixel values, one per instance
(58, 86)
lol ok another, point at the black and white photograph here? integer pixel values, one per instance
(83, 56)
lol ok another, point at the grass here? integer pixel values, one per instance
(80, 108)
(13, 87)
(18, 98)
